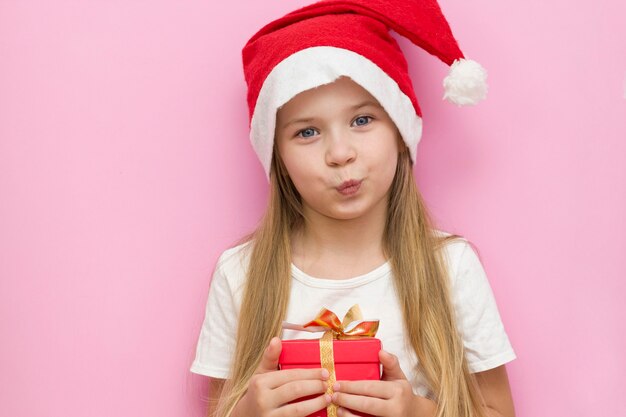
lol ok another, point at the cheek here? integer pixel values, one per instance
(388, 173)
(299, 169)
(388, 159)
(292, 165)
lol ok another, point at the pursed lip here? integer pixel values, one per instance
(349, 183)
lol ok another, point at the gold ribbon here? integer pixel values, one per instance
(339, 330)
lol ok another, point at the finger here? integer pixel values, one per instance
(391, 366)
(373, 388)
(298, 389)
(277, 378)
(361, 403)
(344, 412)
(303, 408)
(269, 361)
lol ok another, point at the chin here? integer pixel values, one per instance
(347, 214)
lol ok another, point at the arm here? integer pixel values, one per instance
(483, 332)
(215, 389)
(271, 391)
(393, 396)
(494, 386)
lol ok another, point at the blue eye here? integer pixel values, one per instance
(303, 132)
(364, 119)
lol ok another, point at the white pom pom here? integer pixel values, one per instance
(466, 83)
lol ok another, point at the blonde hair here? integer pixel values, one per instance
(420, 278)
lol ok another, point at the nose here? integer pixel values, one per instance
(339, 150)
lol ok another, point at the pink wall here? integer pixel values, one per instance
(125, 169)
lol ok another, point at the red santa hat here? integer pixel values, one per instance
(319, 43)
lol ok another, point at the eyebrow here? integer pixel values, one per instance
(351, 108)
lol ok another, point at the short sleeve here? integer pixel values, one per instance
(217, 335)
(478, 320)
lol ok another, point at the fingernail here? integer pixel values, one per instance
(328, 398)
(336, 386)
(335, 395)
(325, 373)
(339, 411)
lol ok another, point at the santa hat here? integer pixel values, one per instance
(319, 43)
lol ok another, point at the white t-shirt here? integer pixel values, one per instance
(486, 342)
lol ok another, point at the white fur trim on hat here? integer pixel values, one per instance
(319, 65)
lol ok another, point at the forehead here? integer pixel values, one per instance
(342, 92)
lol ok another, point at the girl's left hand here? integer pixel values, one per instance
(392, 396)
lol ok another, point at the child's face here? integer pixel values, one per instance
(339, 141)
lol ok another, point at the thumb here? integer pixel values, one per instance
(269, 361)
(391, 366)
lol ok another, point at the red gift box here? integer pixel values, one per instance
(354, 359)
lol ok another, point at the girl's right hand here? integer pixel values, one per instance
(270, 390)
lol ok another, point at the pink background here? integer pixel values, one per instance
(125, 169)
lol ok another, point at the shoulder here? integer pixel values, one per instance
(235, 257)
(232, 266)
(454, 249)
(466, 272)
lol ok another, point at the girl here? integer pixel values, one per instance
(335, 123)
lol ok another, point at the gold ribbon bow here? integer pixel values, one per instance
(336, 329)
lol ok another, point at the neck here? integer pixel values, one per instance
(352, 240)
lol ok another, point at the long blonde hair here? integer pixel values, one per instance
(420, 278)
